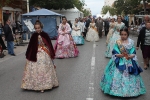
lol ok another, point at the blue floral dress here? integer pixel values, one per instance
(121, 76)
(76, 34)
(113, 39)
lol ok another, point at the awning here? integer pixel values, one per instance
(8, 8)
(18, 9)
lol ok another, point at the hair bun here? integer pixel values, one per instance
(37, 20)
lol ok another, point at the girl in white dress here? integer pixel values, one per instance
(76, 33)
(92, 34)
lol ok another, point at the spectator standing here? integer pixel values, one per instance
(9, 37)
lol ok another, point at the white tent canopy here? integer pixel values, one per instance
(8, 8)
(115, 16)
(99, 15)
(70, 14)
(107, 15)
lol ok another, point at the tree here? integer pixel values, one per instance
(79, 4)
(5, 2)
(58, 4)
(86, 13)
(105, 9)
(127, 6)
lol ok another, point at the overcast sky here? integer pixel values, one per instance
(95, 6)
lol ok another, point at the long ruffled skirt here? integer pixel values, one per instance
(66, 51)
(40, 75)
(92, 35)
(121, 83)
(111, 44)
(78, 40)
(109, 35)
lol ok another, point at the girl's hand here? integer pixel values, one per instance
(131, 56)
(63, 34)
(120, 55)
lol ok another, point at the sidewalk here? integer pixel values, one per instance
(18, 50)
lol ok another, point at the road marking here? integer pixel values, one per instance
(89, 99)
(92, 76)
(5, 59)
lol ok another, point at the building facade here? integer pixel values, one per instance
(12, 10)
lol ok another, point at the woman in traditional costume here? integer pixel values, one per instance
(65, 46)
(92, 34)
(39, 71)
(119, 25)
(77, 33)
(111, 30)
(122, 73)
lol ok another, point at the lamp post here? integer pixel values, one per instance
(144, 4)
(27, 12)
(27, 6)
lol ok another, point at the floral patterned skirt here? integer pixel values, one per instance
(40, 75)
(66, 51)
(121, 83)
(109, 35)
(92, 35)
(111, 44)
(78, 39)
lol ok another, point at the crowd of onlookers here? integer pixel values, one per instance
(7, 33)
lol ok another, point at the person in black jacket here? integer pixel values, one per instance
(88, 21)
(69, 22)
(106, 26)
(9, 37)
(144, 42)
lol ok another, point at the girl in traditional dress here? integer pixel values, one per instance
(111, 30)
(65, 46)
(119, 25)
(122, 73)
(77, 33)
(39, 71)
(92, 34)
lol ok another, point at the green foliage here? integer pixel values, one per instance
(86, 13)
(79, 4)
(58, 4)
(105, 9)
(2, 3)
(127, 6)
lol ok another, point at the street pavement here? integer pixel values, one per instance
(79, 77)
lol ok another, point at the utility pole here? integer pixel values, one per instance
(144, 6)
(27, 6)
(27, 12)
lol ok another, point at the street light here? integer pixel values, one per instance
(27, 6)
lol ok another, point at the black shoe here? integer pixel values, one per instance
(1, 56)
(13, 54)
(5, 49)
(145, 68)
(147, 65)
